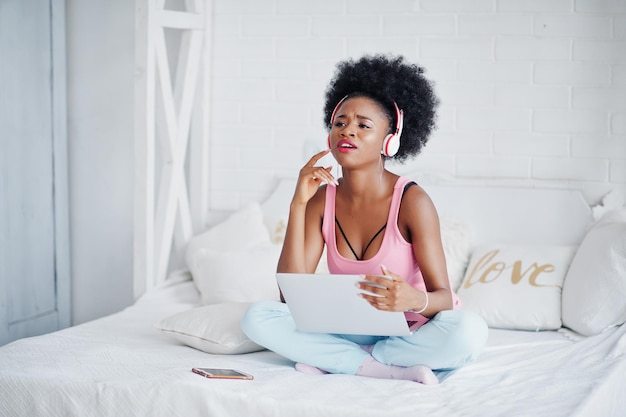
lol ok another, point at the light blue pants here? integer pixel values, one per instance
(449, 340)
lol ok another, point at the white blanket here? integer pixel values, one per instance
(122, 365)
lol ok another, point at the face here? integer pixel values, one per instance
(358, 130)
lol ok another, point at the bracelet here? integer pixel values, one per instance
(423, 308)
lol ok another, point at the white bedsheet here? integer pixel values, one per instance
(122, 365)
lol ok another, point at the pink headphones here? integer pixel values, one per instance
(391, 143)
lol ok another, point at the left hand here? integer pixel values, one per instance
(393, 293)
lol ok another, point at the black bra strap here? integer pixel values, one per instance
(350, 246)
(371, 240)
(407, 186)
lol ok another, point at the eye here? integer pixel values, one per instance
(339, 124)
(364, 126)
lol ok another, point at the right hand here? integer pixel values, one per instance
(311, 177)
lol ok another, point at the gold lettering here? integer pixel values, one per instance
(543, 268)
(482, 262)
(492, 271)
(517, 274)
(496, 267)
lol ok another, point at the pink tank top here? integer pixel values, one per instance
(395, 252)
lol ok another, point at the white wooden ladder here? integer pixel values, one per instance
(172, 101)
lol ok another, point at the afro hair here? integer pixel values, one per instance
(386, 80)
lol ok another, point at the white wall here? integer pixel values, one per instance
(532, 92)
(100, 51)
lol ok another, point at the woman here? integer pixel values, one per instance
(374, 223)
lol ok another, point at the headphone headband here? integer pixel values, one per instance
(332, 116)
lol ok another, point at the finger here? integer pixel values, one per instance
(331, 178)
(317, 157)
(374, 301)
(380, 305)
(384, 270)
(324, 175)
(374, 284)
(381, 302)
(380, 281)
(375, 290)
(387, 274)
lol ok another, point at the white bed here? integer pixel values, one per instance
(123, 365)
(127, 365)
(133, 364)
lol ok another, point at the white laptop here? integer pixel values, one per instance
(329, 303)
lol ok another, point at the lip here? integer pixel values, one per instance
(341, 148)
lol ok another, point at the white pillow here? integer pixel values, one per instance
(243, 229)
(516, 287)
(234, 260)
(277, 226)
(594, 292)
(457, 246)
(212, 329)
(245, 275)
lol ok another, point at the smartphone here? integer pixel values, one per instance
(221, 373)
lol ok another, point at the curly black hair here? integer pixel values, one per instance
(388, 79)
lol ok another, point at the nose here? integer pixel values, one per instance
(348, 130)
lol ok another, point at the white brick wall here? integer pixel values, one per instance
(532, 91)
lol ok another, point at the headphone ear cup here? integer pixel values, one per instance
(329, 141)
(391, 144)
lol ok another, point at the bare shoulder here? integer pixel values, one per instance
(415, 197)
(417, 207)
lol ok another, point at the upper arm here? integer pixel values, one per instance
(313, 239)
(419, 216)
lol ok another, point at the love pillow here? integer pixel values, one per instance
(517, 287)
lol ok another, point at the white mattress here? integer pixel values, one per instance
(122, 366)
